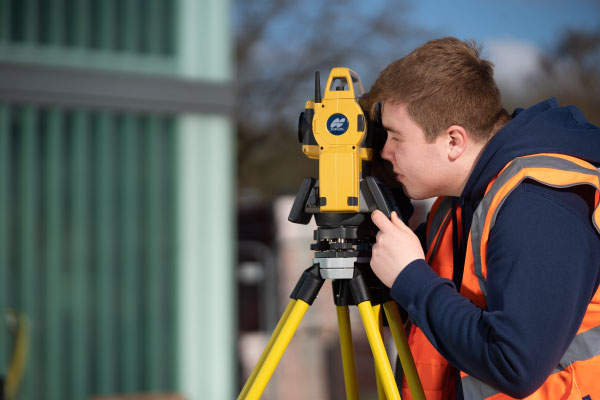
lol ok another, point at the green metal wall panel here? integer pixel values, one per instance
(78, 257)
(105, 280)
(53, 249)
(28, 247)
(87, 222)
(137, 36)
(139, 27)
(5, 174)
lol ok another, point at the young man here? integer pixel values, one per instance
(504, 299)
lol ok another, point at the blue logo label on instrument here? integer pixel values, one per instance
(337, 124)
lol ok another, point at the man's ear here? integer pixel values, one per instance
(457, 139)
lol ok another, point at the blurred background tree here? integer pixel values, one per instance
(570, 72)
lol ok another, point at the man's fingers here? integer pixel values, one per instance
(383, 222)
(397, 221)
(380, 220)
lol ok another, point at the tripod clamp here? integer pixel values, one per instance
(343, 240)
(308, 286)
(363, 286)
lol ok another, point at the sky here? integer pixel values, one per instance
(519, 31)
(534, 21)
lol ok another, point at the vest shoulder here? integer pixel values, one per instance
(578, 200)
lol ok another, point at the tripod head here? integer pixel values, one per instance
(335, 130)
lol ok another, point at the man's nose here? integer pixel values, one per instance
(386, 152)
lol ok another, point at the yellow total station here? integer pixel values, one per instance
(333, 130)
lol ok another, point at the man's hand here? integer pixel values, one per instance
(396, 247)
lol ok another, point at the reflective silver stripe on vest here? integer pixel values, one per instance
(509, 172)
(473, 389)
(585, 346)
(438, 224)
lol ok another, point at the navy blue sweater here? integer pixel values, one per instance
(543, 261)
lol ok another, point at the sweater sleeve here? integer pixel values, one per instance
(543, 261)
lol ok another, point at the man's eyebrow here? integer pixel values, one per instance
(389, 129)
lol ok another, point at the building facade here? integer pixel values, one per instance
(117, 152)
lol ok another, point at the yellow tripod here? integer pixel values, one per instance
(363, 290)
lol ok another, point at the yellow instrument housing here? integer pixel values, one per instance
(339, 127)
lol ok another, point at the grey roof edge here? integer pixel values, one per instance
(122, 91)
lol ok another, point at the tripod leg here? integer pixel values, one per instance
(303, 295)
(350, 379)
(277, 349)
(408, 364)
(380, 388)
(382, 363)
(267, 349)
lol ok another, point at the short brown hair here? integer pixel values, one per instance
(444, 82)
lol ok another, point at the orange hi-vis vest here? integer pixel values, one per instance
(578, 372)
(436, 375)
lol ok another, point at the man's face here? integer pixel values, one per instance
(418, 165)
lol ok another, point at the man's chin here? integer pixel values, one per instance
(411, 194)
